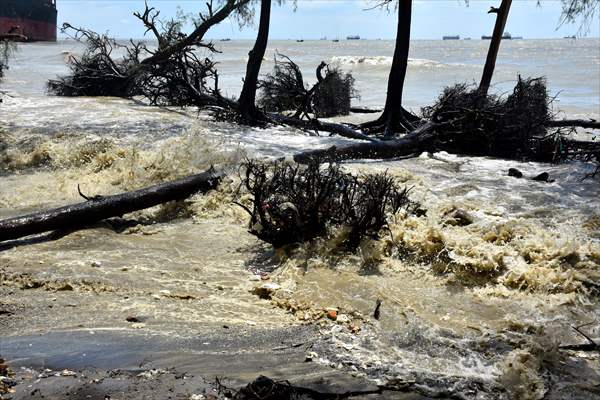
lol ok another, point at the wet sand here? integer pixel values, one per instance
(126, 364)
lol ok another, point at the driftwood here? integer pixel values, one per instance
(567, 123)
(419, 140)
(591, 344)
(98, 208)
(316, 125)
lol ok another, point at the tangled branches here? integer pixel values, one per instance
(513, 127)
(96, 72)
(285, 90)
(293, 203)
(171, 74)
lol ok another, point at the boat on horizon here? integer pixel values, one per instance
(225, 40)
(335, 40)
(505, 36)
(299, 40)
(570, 37)
(28, 20)
(451, 37)
(353, 37)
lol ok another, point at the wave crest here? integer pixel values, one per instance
(386, 60)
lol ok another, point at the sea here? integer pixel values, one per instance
(476, 312)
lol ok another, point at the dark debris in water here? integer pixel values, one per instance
(264, 388)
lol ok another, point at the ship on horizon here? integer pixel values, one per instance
(451, 37)
(505, 36)
(28, 20)
(353, 37)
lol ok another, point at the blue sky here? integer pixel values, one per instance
(313, 19)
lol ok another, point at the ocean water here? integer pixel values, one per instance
(477, 311)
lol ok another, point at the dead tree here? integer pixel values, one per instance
(394, 117)
(285, 90)
(247, 110)
(98, 208)
(463, 122)
(492, 55)
(172, 71)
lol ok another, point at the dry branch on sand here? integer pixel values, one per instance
(292, 203)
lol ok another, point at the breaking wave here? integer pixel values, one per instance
(385, 60)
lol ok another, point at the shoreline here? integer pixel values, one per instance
(104, 364)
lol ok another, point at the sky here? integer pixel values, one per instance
(313, 19)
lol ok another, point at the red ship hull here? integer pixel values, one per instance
(30, 20)
(33, 30)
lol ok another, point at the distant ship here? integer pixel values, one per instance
(353, 37)
(28, 20)
(299, 40)
(506, 36)
(453, 37)
(336, 40)
(570, 37)
(225, 40)
(467, 38)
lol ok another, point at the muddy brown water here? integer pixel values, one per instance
(474, 311)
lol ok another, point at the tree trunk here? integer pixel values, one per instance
(247, 101)
(419, 140)
(198, 34)
(490, 62)
(393, 116)
(82, 214)
(582, 123)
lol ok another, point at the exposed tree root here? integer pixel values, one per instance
(391, 123)
(293, 203)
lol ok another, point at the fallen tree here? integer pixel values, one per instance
(98, 208)
(172, 74)
(464, 121)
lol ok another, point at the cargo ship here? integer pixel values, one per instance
(505, 36)
(28, 20)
